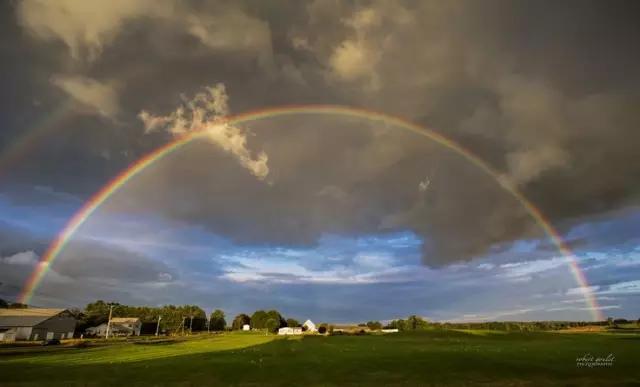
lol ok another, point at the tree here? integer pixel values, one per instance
(274, 314)
(322, 329)
(292, 323)
(258, 319)
(415, 323)
(217, 321)
(3, 304)
(272, 325)
(239, 321)
(18, 305)
(374, 325)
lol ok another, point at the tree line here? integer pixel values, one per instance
(179, 318)
(416, 323)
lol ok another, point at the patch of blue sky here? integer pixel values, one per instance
(42, 221)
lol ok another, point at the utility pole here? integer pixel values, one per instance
(158, 325)
(182, 325)
(191, 325)
(109, 322)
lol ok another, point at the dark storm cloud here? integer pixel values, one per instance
(546, 93)
(90, 259)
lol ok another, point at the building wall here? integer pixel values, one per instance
(23, 333)
(134, 326)
(290, 331)
(9, 335)
(58, 327)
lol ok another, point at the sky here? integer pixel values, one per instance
(324, 215)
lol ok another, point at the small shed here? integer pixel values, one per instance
(246, 327)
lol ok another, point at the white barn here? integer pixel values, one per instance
(310, 326)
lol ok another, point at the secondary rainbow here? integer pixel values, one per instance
(33, 136)
(134, 169)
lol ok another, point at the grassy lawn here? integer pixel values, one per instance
(426, 358)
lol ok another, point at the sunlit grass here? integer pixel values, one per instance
(122, 352)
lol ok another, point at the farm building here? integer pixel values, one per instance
(309, 326)
(246, 327)
(120, 326)
(7, 334)
(36, 324)
(290, 331)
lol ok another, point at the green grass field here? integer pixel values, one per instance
(426, 358)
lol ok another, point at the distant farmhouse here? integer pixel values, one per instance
(36, 324)
(120, 326)
(307, 327)
(290, 331)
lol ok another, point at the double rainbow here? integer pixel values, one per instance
(137, 167)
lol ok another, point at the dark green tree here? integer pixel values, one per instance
(258, 319)
(292, 322)
(3, 304)
(272, 325)
(217, 321)
(239, 321)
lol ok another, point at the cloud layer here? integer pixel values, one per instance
(545, 93)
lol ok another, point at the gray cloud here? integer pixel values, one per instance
(518, 84)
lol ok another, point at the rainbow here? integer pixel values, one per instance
(137, 167)
(22, 146)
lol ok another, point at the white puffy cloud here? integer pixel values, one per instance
(206, 112)
(21, 258)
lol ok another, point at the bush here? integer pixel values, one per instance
(322, 329)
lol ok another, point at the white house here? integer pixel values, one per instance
(132, 324)
(120, 326)
(246, 327)
(290, 331)
(310, 326)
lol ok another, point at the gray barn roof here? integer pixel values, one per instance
(26, 317)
